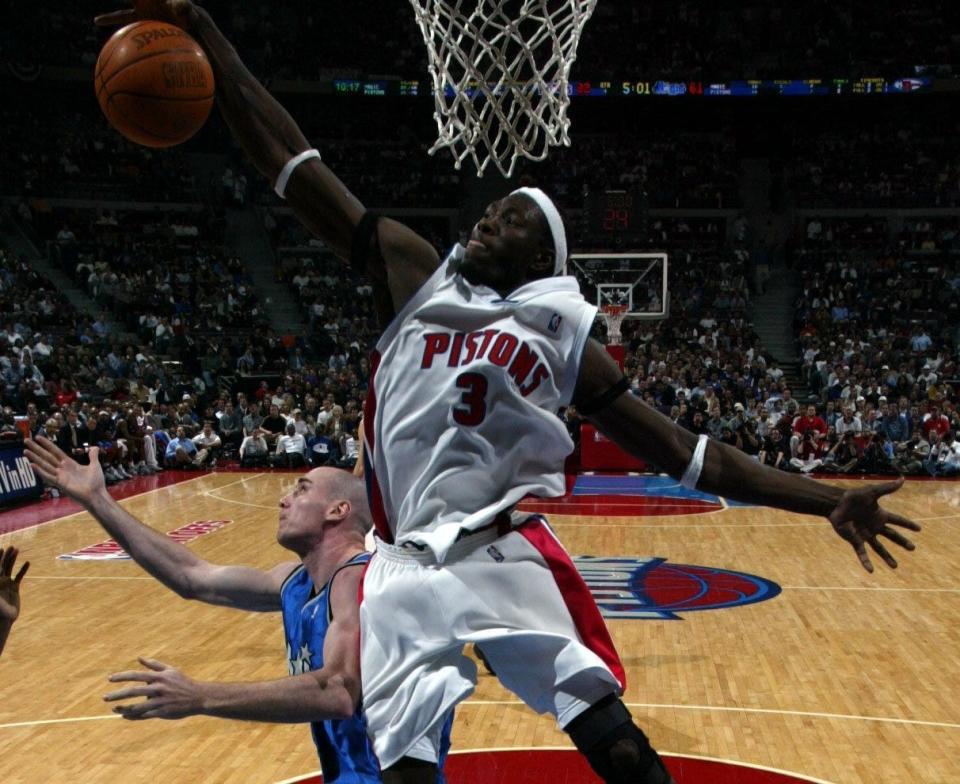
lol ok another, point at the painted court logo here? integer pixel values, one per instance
(111, 550)
(651, 588)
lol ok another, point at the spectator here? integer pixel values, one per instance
(274, 425)
(944, 457)
(208, 445)
(910, 457)
(253, 450)
(291, 449)
(181, 450)
(808, 457)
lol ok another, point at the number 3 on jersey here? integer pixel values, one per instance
(473, 404)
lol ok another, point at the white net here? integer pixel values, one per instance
(614, 315)
(500, 71)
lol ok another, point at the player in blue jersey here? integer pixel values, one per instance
(323, 521)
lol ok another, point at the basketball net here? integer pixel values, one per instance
(500, 75)
(613, 315)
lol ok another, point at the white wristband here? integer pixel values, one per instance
(281, 185)
(692, 475)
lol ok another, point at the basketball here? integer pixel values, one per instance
(154, 84)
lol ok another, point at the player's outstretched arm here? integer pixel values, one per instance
(329, 693)
(173, 564)
(9, 591)
(271, 138)
(855, 514)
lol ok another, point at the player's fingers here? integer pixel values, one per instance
(897, 538)
(137, 715)
(886, 487)
(132, 691)
(153, 664)
(132, 675)
(22, 572)
(861, 551)
(115, 18)
(7, 559)
(903, 522)
(51, 449)
(40, 457)
(882, 551)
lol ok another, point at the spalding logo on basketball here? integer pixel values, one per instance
(651, 588)
(550, 766)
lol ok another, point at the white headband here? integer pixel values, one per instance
(554, 221)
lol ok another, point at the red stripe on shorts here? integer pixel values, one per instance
(576, 595)
(374, 496)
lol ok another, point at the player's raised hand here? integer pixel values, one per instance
(169, 693)
(10, 585)
(182, 13)
(80, 482)
(860, 520)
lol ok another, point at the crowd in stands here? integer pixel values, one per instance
(663, 169)
(894, 163)
(80, 156)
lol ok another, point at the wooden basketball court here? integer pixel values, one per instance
(843, 677)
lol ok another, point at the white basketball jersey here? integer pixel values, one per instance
(461, 417)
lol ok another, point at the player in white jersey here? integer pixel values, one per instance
(479, 353)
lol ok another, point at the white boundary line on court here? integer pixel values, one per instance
(649, 705)
(568, 749)
(768, 711)
(15, 724)
(865, 588)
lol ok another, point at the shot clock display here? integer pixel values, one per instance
(616, 213)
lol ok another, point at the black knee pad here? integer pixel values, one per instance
(615, 747)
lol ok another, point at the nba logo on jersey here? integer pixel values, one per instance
(495, 554)
(554, 324)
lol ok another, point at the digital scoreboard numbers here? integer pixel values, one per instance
(616, 213)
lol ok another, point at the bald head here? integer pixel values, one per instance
(340, 485)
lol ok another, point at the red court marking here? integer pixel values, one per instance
(619, 505)
(33, 513)
(563, 766)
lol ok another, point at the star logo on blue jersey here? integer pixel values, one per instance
(554, 324)
(299, 663)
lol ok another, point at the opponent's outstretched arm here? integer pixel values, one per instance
(271, 138)
(332, 692)
(173, 564)
(855, 514)
(9, 591)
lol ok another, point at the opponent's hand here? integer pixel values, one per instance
(169, 693)
(80, 482)
(10, 585)
(182, 13)
(859, 519)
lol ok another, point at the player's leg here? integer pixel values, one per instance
(412, 668)
(556, 653)
(615, 746)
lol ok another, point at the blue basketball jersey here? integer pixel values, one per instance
(346, 756)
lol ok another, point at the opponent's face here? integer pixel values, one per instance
(305, 510)
(509, 245)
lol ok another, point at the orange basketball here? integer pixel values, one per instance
(154, 84)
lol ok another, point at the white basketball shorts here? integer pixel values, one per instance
(518, 595)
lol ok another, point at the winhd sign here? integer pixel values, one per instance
(17, 479)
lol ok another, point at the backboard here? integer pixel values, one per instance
(637, 280)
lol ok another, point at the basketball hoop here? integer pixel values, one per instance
(500, 75)
(613, 315)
